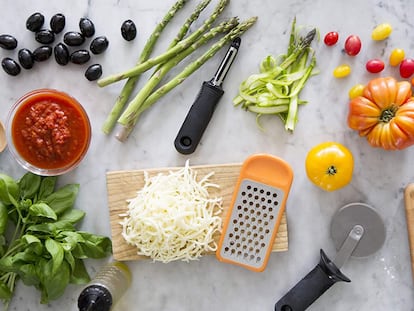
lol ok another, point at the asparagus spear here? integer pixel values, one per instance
(155, 79)
(129, 118)
(131, 82)
(180, 46)
(193, 17)
(184, 28)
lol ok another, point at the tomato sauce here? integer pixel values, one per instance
(50, 130)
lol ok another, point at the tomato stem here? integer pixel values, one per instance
(331, 170)
(387, 114)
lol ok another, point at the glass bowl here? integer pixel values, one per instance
(48, 132)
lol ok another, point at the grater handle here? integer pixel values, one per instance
(198, 118)
(312, 286)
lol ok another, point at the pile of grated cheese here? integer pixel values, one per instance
(173, 217)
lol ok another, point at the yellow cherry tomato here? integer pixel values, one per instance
(342, 71)
(356, 91)
(329, 166)
(396, 57)
(381, 32)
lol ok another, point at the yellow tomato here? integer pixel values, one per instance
(396, 57)
(381, 32)
(329, 166)
(342, 71)
(356, 91)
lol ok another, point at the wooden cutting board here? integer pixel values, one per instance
(123, 185)
(409, 212)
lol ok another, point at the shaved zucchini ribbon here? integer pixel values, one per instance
(275, 90)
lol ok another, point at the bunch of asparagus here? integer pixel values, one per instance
(181, 46)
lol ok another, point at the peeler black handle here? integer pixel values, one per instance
(312, 286)
(198, 118)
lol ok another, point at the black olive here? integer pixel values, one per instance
(26, 58)
(80, 57)
(8, 42)
(42, 53)
(45, 36)
(94, 72)
(86, 27)
(57, 23)
(73, 38)
(10, 66)
(128, 30)
(61, 54)
(99, 45)
(35, 22)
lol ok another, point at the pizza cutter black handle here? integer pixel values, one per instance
(312, 286)
(198, 118)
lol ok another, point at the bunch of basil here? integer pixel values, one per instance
(39, 242)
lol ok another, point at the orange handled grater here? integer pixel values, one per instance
(256, 210)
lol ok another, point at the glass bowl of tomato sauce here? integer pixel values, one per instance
(48, 132)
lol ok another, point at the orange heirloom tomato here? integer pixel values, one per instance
(329, 166)
(384, 114)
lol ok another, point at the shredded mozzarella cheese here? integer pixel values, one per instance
(173, 217)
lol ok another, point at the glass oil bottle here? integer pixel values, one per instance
(106, 289)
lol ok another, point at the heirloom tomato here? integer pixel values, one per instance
(329, 166)
(384, 114)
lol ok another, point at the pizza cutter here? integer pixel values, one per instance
(357, 230)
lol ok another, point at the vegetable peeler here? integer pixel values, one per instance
(357, 230)
(256, 210)
(204, 105)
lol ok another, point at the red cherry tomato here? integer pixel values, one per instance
(374, 65)
(353, 45)
(331, 38)
(407, 68)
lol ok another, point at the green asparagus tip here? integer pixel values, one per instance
(309, 38)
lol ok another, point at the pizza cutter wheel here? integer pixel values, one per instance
(357, 230)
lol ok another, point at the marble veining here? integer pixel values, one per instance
(381, 282)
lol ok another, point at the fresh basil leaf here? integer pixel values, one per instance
(6, 193)
(53, 285)
(30, 239)
(51, 228)
(62, 199)
(6, 264)
(73, 215)
(23, 257)
(47, 186)
(70, 238)
(94, 246)
(29, 275)
(4, 216)
(69, 259)
(29, 185)
(13, 263)
(42, 210)
(3, 245)
(10, 186)
(5, 292)
(33, 243)
(79, 274)
(57, 253)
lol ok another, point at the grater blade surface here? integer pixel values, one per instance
(251, 229)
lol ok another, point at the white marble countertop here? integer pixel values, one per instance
(381, 282)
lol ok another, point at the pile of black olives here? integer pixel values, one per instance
(70, 50)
